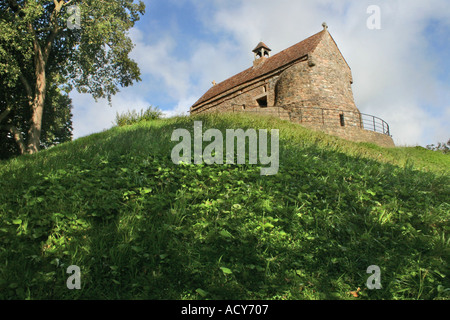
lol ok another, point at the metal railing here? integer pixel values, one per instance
(375, 124)
(322, 116)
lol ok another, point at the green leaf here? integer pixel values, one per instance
(146, 190)
(226, 234)
(237, 206)
(137, 249)
(13, 285)
(17, 221)
(201, 292)
(226, 270)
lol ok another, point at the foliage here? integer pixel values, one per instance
(56, 123)
(140, 227)
(132, 117)
(38, 49)
(441, 147)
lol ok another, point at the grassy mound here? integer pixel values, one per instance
(140, 227)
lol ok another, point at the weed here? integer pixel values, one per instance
(140, 227)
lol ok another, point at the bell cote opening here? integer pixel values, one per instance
(262, 52)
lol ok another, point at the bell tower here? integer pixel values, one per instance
(262, 52)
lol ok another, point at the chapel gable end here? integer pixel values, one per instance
(328, 54)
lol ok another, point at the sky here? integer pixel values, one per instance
(400, 67)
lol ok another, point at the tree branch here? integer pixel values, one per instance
(54, 28)
(67, 3)
(27, 87)
(17, 136)
(5, 113)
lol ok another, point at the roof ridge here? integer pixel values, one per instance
(272, 63)
(262, 45)
(322, 32)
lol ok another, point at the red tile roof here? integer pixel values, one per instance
(261, 45)
(273, 63)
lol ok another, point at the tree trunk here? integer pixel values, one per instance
(14, 131)
(40, 60)
(37, 105)
(17, 137)
(34, 133)
(4, 114)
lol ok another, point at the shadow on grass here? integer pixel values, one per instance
(140, 227)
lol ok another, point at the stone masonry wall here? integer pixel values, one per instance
(356, 134)
(315, 92)
(331, 77)
(324, 81)
(244, 96)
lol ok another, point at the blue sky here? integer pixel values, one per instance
(401, 72)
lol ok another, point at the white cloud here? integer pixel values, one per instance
(156, 60)
(91, 117)
(394, 78)
(182, 108)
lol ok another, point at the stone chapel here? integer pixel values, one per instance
(309, 83)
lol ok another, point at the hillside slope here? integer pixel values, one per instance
(140, 227)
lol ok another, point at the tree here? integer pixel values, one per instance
(36, 45)
(56, 122)
(443, 147)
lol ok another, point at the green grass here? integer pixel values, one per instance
(140, 227)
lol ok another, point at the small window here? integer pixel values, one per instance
(262, 102)
(341, 116)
